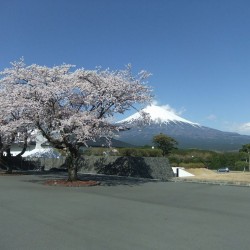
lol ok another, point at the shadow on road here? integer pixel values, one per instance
(105, 180)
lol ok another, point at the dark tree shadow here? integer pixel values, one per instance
(105, 180)
(128, 171)
(18, 164)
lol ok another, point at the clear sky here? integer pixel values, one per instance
(198, 51)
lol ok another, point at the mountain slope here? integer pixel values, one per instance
(187, 133)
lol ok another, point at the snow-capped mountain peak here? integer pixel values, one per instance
(188, 134)
(159, 114)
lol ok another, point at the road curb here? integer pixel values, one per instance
(220, 183)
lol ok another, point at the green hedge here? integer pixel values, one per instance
(139, 152)
(240, 166)
(136, 152)
(192, 165)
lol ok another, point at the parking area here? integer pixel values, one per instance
(122, 214)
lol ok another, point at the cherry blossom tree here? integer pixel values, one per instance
(14, 128)
(72, 107)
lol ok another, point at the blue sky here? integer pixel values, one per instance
(198, 51)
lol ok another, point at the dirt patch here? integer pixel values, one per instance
(66, 183)
(206, 174)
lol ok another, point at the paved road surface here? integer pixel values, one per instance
(122, 215)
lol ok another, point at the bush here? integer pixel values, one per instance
(192, 165)
(94, 151)
(140, 152)
(136, 152)
(240, 166)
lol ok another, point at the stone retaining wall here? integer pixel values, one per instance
(144, 167)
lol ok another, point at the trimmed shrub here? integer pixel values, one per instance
(140, 152)
(240, 166)
(136, 152)
(192, 165)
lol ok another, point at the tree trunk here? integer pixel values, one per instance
(9, 162)
(72, 168)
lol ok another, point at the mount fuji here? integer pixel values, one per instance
(188, 134)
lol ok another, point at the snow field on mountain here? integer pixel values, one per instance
(159, 114)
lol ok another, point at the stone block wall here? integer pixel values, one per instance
(142, 167)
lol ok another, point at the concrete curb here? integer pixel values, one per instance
(220, 183)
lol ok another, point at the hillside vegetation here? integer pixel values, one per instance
(136, 152)
(194, 158)
(187, 158)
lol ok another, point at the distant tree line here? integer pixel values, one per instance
(188, 158)
(194, 158)
(134, 152)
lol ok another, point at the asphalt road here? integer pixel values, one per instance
(122, 214)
